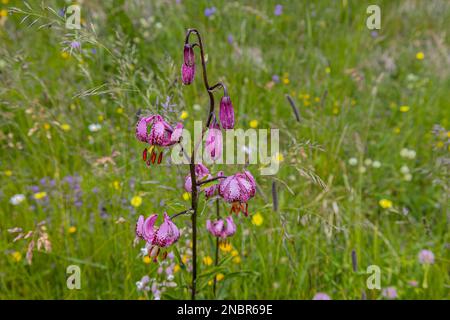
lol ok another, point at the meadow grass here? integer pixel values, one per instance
(362, 97)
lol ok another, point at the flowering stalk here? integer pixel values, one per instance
(194, 191)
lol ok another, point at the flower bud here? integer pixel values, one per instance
(188, 68)
(226, 113)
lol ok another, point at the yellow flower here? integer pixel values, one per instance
(257, 219)
(385, 203)
(335, 110)
(253, 124)
(65, 55)
(316, 99)
(184, 259)
(72, 229)
(440, 144)
(16, 256)
(420, 55)
(220, 276)
(136, 201)
(225, 247)
(210, 283)
(40, 195)
(119, 110)
(176, 268)
(46, 126)
(186, 196)
(448, 134)
(208, 260)
(65, 127)
(3, 13)
(306, 103)
(328, 70)
(404, 108)
(5, 1)
(8, 173)
(184, 115)
(100, 118)
(146, 259)
(278, 157)
(116, 185)
(234, 253)
(397, 130)
(237, 260)
(286, 80)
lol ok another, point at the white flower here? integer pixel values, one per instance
(17, 199)
(404, 169)
(94, 127)
(407, 177)
(197, 107)
(144, 251)
(353, 161)
(362, 169)
(411, 154)
(407, 153)
(368, 162)
(376, 164)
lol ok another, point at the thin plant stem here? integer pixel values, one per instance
(216, 262)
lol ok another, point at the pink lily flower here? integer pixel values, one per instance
(238, 189)
(226, 112)
(161, 134)
(211, 191)
(201, 172)
(214, 141)
(220, 228)
(188, 67)
(157, 237)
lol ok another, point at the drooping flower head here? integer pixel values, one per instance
(201, 172)
(426, 257)
(214, 142)
(238, 189)
(221, 228)
(161, 134)
(157, 237)
(226, 112)
(188, 67)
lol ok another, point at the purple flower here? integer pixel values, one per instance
(201, 172)
(221, 228)
(188, 67)
(157, 238)
(390, 293)
(214, 141)
(374, 34)
(161, 133)
(75, 45)
(211, 191)
(276, 78)
(210, 11)
(426, 257)
(321, 296)
(238, 189)
(230, 39)
(278, 10)
(226, 112)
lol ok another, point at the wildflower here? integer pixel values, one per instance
(65, 55)
(186, 196)
(220, 228)
(184, 115)
(214, 141)
(426, 257)
(17, 199)
(176, 268)
(234, 253)
(230, 39)
(238, 189)
(376, 164)
(226, 112)
(220, 276)
(404, 108)
(407, 153)
(157, 238)
(397, 130)
(237, 260)
(385, 203)
(65, 127)
(40, 195)
(94, 127)
(413, 283)
(188, 67)
(321, 296)
(208, 260)
(201, 172)
(328, 70)
(278, 10)
(276, 78)
(119, 110)
(75, 45)
(362, 169)
(136, 201)
(142, 285)
(225, 247)
(368, 162)
(116, 185)
(420, 55)
(211, 191)
(8, 173)
(253, 124)
(286, 80)
(257, 219)
(72, 229)
(161, 135)
(146, 260)
(390, 293)
(278, 157)
(16, 256)
(210, 11)
(353, 161)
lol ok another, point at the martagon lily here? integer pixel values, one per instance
(238, 189)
